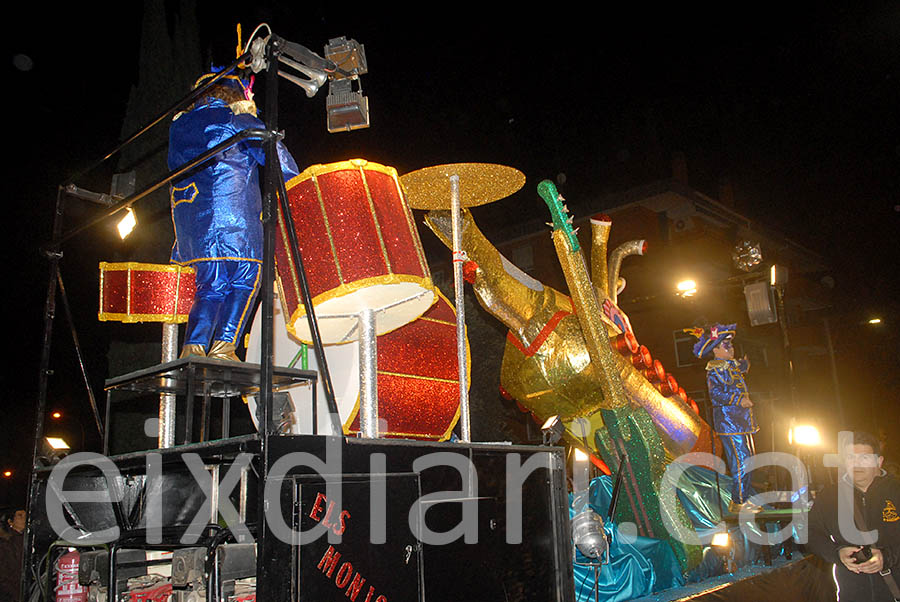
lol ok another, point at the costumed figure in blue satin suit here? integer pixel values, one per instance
(732, 409)
(216, 212)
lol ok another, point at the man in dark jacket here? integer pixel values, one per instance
(865, 499)
(11, 548)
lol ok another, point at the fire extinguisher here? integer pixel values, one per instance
(67, 588)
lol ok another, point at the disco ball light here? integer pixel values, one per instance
(747, 255)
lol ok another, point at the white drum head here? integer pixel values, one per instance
(343, 365)
(395, 305)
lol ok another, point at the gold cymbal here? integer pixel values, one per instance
(479, 184)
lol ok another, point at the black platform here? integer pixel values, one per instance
(205, 378)
(417, 491)
(807, 578)
(219, 378)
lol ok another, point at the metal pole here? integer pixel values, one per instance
(324, 374)
(786, 341)
(368, 374)
(80, 356)
(166, 435)
(250, 134)
(264, 589)
(54, 255)
(458, 258)
(834, 374)
(193, 95)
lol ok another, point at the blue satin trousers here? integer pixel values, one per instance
(224, 299)
(738, 448)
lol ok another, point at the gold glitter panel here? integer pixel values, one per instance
(479, 183)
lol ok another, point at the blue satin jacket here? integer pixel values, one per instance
(727, 388)
(216, 210)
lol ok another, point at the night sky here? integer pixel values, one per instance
(798, 109)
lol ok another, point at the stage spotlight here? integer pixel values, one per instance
(56, 443)
(552, 430)
(347, 108)
(778, 276)
(805, 435)
(54, 449)
(721, 542)
(127, 223)
(7, 473)
(723, 547)
(874, 321)
(588, 534)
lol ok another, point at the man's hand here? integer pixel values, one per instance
(873, 564)
(747, 359)
(746, 403)
(847, 559)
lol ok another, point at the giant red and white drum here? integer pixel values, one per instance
(418, 381)
(360, 248)
(145, 292)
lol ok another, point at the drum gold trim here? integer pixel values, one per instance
(320, 169)
(411, 222)
(131, 266)
(346, 289)
(134, 318)
(282, 228)
(334, 254)
(384, 253)
(360, 166)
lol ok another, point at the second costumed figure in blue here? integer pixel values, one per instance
(216, 212)
(733, 419)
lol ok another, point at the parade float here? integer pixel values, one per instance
(354, 484)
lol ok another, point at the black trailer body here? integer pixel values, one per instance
(381, 535)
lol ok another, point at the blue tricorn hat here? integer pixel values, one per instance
(709, 341)
(231, 80)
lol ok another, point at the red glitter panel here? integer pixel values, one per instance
(400, 237)
(442, 310)
(283, 270)
(312, 238)
(421, 348)
(415, 363)
(148, 294)
(414, 406)
(115, 291)
(352, 227)
(153, 291)
(186, 293)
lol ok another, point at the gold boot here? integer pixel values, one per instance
(192, 350)
(748, 505)
(221, 350)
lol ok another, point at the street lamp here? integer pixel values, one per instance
(687, 288)
(804, 435)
